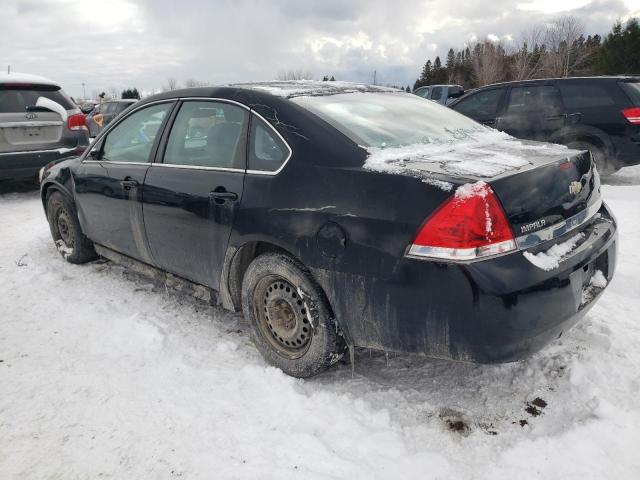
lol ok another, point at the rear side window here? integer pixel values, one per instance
(16, 100)
(207, 134)
(577, 95)
(481, 106)
(267, 151)
(534, 98)
(633, 91)
(436, 93)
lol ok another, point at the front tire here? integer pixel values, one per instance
(291, 322)
(65, 228)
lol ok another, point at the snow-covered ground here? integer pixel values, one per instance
(104, 375)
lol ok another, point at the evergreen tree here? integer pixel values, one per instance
(451, 60)
(325, 79)
(619, 51)
(408, 89)
(332, 79)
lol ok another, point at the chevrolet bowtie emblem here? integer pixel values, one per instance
(575, 188)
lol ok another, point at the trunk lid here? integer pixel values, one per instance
(555, 190)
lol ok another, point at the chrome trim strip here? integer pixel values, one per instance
(461, 255)
(554, 231)
(43, 123)
(198, 167)
(59, 151)
(111, 162)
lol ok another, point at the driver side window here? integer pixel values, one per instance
(131, 140)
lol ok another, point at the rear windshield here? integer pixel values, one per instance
(633, 90)
(389, 119)
(16, 99)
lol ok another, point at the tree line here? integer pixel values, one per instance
(559, 49)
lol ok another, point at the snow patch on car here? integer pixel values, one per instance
(298, 88)
(483, 153)
(550, 259)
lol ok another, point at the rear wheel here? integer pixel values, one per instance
(66, 232)
(598, 154)
(291, 323)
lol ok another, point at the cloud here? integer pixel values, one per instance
(126, 43)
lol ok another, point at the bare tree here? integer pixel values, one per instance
(487, 62)
(527, 56)
(192, 82)
(113, 92)
(297, 74)
(172, 84)
(564, 39)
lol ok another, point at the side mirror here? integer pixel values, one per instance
(95, 153)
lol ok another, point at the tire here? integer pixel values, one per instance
(291, 322)
(66, 232)
(598, 154)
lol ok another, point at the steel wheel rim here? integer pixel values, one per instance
(64, 227)
(282, 317)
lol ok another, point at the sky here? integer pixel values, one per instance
(116, 44)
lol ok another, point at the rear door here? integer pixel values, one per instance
(193, 191)
(25, 127)
(108, 183)
(482, 106)
(533, 112)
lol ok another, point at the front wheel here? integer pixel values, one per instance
(291, 322)
(67, 235)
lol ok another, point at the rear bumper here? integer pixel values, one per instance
(20, 165)
(497, 310)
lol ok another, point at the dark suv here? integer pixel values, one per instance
(599, 114)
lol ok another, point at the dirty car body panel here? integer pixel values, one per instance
(352, 227)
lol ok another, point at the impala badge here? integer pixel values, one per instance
(30, 116)
(575, 188)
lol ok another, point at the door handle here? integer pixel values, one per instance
(220, 195)
(129, 183)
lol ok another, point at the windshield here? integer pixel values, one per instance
(390, 119)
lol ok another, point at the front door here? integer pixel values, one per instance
(108, 184)
(191, 194)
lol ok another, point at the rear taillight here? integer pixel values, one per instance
(468, 226)
(632, 115)
(77, 122)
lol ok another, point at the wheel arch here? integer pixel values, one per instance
(236, 262)
(587, 134)
(48, 188)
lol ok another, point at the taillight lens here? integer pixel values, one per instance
(468, 226)
(77, 122)
(632, 115)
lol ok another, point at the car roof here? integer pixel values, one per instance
(26, 78)
(538, 80)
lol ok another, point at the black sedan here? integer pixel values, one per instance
(337, 216)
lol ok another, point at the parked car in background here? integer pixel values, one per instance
(39, 123)
(598, 114)
(443, 94)
(335, 214)
(102, 114)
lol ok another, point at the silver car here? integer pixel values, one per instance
(39, 124)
